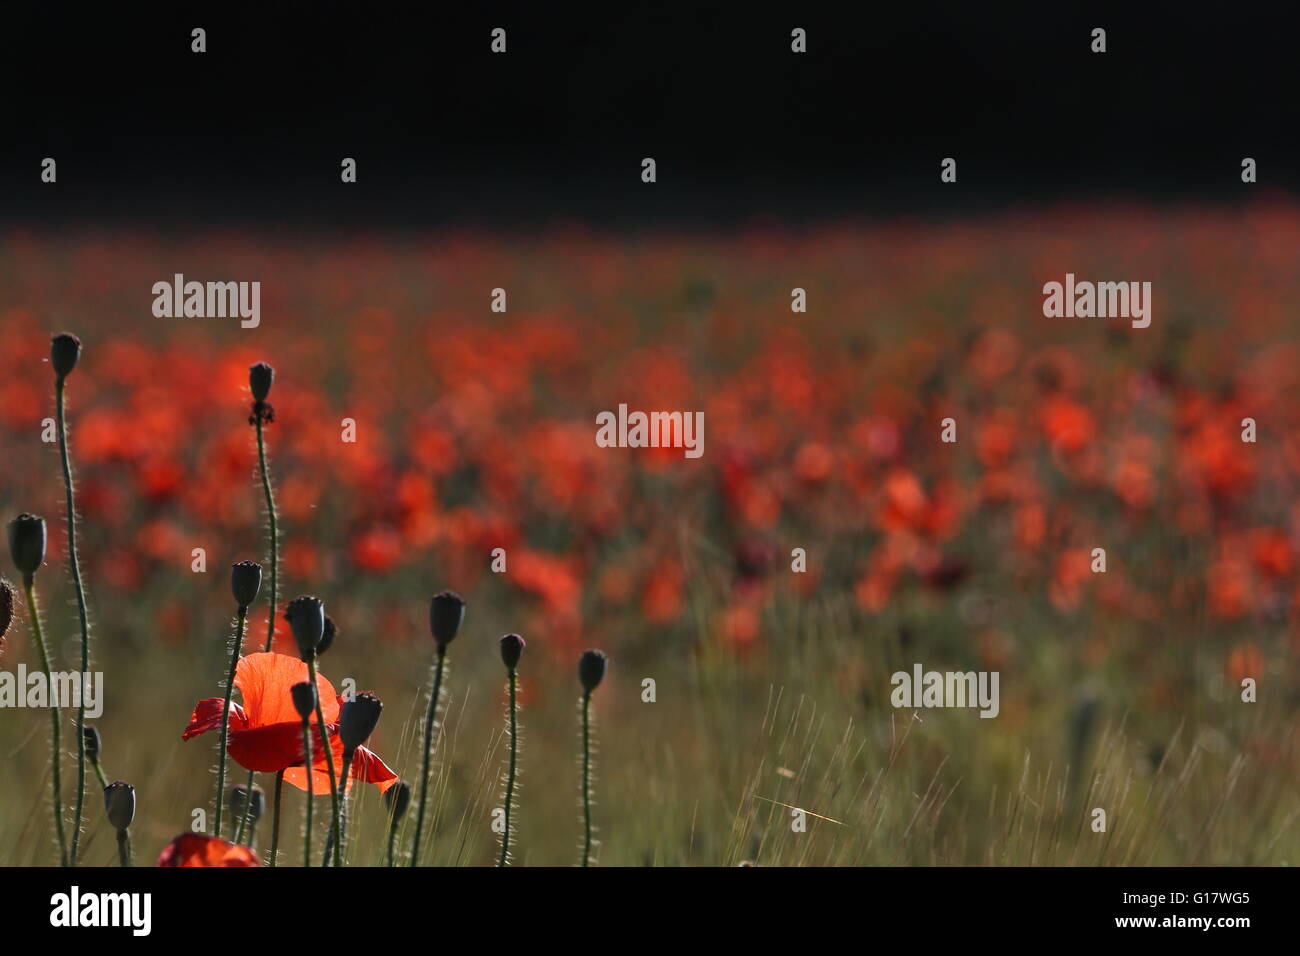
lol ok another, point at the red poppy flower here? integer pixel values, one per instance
(195, 849)
(266, 733)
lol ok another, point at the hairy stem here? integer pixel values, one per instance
(586, 776)
(29, 584)
(225, 723)
(510, 777)
(329, 762)
(429, 720)
(275, 818)
(343, 812)
(275, 533)
(81, 612)
(306, 749)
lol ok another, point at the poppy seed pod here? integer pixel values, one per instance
(357, 719)
(94, 745)
(445, 616)
(512, 648)
(304, 699)
(239, 802)
(245, 582)
(65, 349)
(260, 377)
(398, 798)
(306, 616)
(591, 669)
(119, 801)
(327, 636)
(27, 542)
(6, 608)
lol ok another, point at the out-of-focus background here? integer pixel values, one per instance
(475, 430)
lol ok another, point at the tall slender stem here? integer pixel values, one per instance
(29, 584)
(510, 777)
(275, 818)
(343, 811)
(392, 840)
(329, 761)
(225, 722)
(275, 533)
(81, 612)
(124, 847)
(586, 775)
(311, 774)
(429, 720)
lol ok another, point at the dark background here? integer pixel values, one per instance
(445, 132)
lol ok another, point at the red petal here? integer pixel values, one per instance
(207, 716)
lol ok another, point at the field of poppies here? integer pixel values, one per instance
(418, 442)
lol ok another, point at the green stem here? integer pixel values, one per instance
(329, 762)
(275, 533)
(429, 720)
(124, 847)
(99, 772)
(275, 819)
(343, 812)
(306, 749)
(586, 775)
(29, 584)
(510, 778)
(392, 840)
(81, 612)
(225, 723)
(246, 817)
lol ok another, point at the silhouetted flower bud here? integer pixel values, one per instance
(119, 801)
(304, 699)
(239, 802)
(27, 542)
(591, 669)
(357, 719)
(327, 636)
(512, 648)
(398, 798)
(94, 746)
(445, 615)
(260, 377)
(65, 349)
(306, 617)
(6, 609)
(245, 582)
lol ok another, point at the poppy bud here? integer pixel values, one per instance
(304, 699)
(512, 648)
(591, 669)
(357, 719)
(245, 582)
(65, 349)
(239, 802)
(398, 798)
(327, 636)
(306, 616)
(260, 377)
(6, 608)
(445, 615)
(27, 542)
(93, 744)
(119, 801)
